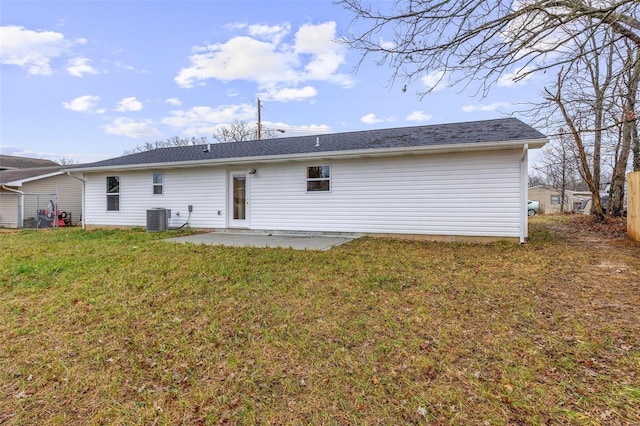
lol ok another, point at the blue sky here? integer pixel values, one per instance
(88, 80)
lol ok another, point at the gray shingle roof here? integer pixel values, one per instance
(499, 130)
(12, 162)
(7, 176)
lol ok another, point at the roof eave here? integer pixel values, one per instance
(20, 182)
(380, 152)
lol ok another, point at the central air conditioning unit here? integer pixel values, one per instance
(158, 219)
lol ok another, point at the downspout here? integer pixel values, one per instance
(20, 205)
(524, 179)
(82, 198)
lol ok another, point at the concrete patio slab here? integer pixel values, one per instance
(296, 242)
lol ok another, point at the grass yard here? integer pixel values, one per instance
(119, 327)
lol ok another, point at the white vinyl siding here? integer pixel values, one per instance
(470, 194)
(9, 209)
(461, 194)
(203, 188)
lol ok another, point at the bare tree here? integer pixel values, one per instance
(235, 132)
(167, 143)
(587, 96)
(571, 115)
(67, 161)
(537, 177)
(484, 39)
(628, 130)
(557, 165)
(242, 131)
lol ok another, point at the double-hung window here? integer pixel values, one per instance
(158, 183)
(113, 193)
(318, 178)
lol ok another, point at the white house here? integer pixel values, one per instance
(449, 181)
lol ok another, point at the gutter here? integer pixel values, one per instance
(20, 182)
(82, 201)
(433, 149)
(20, 205)
(524, 178)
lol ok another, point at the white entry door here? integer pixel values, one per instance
(238, 202)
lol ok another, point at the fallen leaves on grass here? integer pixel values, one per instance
(374, 332)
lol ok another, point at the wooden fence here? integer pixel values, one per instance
(633, 205)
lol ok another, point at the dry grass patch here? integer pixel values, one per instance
(117, 327)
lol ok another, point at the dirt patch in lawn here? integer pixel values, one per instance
(606, 288)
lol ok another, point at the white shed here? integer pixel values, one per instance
(450, 181)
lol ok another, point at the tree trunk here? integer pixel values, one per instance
(635, 146)
(629, 124)
(596, 207)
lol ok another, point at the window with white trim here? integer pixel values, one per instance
(318, 178)
(158, 183)
(113, 193)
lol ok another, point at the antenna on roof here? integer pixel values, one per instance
(317, 140)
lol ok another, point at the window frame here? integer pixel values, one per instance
(157, 185)
(555, 200)
(113, 193)
(327, 179)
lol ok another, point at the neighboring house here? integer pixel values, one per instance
(436, 181)
(11, 162)
(550, 199)
(25, 192)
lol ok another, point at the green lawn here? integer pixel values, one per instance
(120, 327)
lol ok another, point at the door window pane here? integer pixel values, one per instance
(239, 197)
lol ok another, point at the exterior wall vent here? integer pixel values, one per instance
(158, 219)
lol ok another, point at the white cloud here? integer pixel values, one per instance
(326, 54)
(77, 67)
(241, 58)
(273, 34)
(519, 76)
(372, 119)
(31, 50)
(129, 104)
(204, 120)
(292, 130)
(83, 104)
(488, 108)
(387, 44)
(314, 56)
(173, 101)
(126, 67)
(136, 129)
(419, 116)
(434, 81)
(288, 94)
(235, 26)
